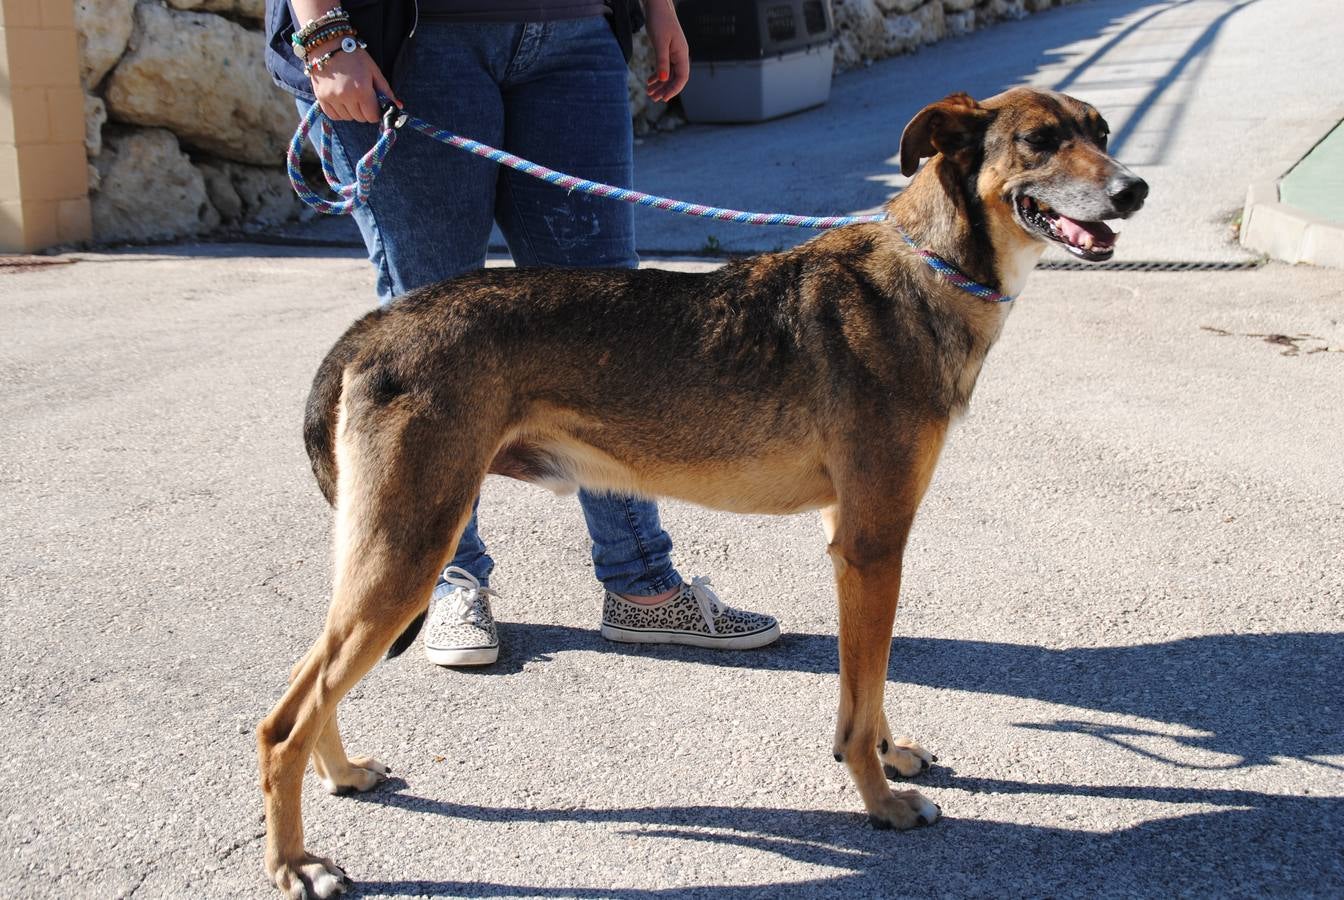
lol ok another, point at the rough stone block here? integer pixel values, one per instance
(899, 7)
(862, 27)
(203, 77)
(995, 10)
(959, 23)
(149, 190)
(95, 116)
(249, 196)
(241, 9)
(104, 28)
(903, 35)
(932, 22)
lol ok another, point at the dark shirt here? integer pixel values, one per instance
(509, 10)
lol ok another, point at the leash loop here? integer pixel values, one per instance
(353, 195)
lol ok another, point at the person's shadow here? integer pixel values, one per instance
(1242, 700)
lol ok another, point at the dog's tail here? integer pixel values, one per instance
(319, 416)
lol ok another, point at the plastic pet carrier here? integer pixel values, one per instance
(753, 60)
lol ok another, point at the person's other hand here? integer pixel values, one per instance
(348, 86)
(673, 66)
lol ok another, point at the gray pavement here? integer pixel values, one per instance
(1121, 628)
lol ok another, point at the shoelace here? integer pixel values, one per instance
(710, 605)
(468, 592)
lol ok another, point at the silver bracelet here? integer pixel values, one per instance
(348, 45)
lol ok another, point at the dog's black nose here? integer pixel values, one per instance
(1127, 193)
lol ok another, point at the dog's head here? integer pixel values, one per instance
(1038, 164)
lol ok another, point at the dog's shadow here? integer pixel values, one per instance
(1234, 701)
(1250, 844)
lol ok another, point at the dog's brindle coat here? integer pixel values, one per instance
(823, 377)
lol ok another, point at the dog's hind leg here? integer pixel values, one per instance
(868, 528)
(902, 757)
(399, 516)
(339, 773)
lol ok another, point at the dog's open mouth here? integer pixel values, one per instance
(1092, 241)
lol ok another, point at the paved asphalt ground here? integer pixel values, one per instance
(1122, 629)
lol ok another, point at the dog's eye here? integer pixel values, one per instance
(1102, 137)
(1041, 140)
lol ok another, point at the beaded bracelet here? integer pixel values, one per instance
(301, 50)
(332, 15)
(348, 45)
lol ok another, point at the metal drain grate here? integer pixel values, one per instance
(1148, 265)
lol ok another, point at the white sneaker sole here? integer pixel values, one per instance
(458, 656)
(726, 642)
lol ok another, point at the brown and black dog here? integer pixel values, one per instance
(822, 377)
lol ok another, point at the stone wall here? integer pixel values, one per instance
(186, 134)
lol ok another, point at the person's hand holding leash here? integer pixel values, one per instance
(346, 81)
(673, 67)
(349, 86)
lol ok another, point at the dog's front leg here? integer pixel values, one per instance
(868, 587)
(866, 534)
(901, 756)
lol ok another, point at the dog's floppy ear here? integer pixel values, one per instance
(951, 124)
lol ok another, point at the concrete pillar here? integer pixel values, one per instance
(43, 167)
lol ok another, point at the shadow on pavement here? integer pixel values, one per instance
(1252, 844)
(1244, 699)
(1236, 700)
(1200, 39)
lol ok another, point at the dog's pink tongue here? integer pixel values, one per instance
(1073, 231)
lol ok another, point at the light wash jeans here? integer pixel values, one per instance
(550, 92)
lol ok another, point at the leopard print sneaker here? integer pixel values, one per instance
(460, 630)
(695, 616)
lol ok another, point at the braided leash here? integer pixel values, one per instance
(355, 195)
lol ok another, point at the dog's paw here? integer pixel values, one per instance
(903, 758)
(309, 878)
(903, 810)
(363, 774)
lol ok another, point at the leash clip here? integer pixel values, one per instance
(393, 118)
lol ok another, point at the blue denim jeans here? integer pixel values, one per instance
(554, 93)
